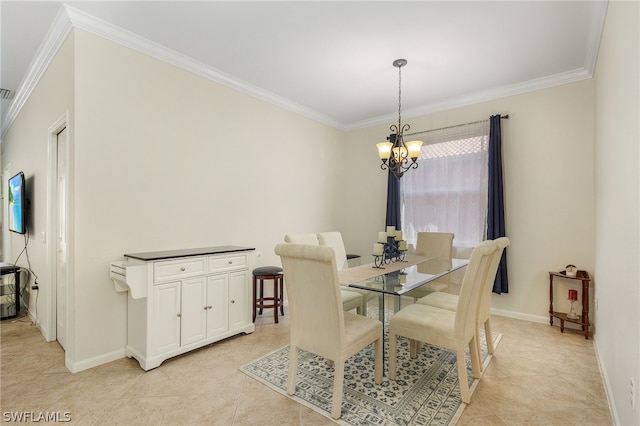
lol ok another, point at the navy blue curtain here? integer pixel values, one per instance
(495, 214)
(393, 197)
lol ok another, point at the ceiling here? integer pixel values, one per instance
(328, 60)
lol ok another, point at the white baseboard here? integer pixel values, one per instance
(76, 367)
(520, 316)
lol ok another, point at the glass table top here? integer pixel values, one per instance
(409, 278)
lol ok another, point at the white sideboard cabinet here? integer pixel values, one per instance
(184, 299)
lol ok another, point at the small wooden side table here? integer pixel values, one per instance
(583, 319)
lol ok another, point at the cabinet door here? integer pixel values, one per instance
(166, 315)
(194, 310)
(217, 302)
(239, 300)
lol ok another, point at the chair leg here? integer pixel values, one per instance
(489, 336)
(276, 299)
(414, 348)
(255, 298)
(476, 366)
(378, 360)
(293, 370)
(261, 294)
(281, 295)
(477, 348)
(338, 383)
(393, 344)
(465, 393)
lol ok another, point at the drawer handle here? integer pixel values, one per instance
(231, 262)
(233, 301)
(183, 269)
(209, 307)
(179, 314)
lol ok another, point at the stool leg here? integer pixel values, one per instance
(281, 295)
(275, 299)
(254, 299)
(261, 295)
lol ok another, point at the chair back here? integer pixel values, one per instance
(484, 311)
(472, 284)
(435, 244)
(315, 302)
(334, 240)
(301, 239)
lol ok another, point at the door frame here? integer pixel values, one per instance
(6, 240)
(52, 211)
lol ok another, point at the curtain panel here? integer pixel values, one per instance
(495, 220)
(393, 217)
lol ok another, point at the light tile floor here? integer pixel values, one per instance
(538, 376)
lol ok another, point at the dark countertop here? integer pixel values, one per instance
(169, 254)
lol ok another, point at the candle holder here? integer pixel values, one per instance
(391, 252)
(573, 297)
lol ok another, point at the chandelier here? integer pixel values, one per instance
(395, 154)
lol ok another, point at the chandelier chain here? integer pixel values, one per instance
(399, 96)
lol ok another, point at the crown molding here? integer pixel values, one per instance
(54, 39)
(69, 18)
(477, 97)
(133, 41)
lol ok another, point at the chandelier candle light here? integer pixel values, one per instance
(389, 248)
(395, 154)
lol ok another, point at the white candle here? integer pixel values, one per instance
(402, 245)
(391, 229)
(377, 249)
(382, 237)
(398, 235)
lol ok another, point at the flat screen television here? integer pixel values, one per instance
(17, 204)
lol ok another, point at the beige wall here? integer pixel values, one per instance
(25, 148)
(163, 159)
(166, 159)
(548, 175)
(617, 186)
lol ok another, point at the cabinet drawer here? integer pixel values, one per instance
(178, 269)
(228, 263)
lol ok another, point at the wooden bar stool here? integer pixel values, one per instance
(273, 273)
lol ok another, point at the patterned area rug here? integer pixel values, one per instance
(426, 392)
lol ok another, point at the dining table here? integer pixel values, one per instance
(398, 278)
(395, 280)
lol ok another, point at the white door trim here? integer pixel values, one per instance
(6, 241)
(49, 332)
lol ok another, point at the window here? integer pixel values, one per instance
(448, 192)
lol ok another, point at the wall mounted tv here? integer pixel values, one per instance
(17, 204)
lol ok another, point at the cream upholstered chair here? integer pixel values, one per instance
(350, 299)
(449, 329)
(335, 241)
(301, 239)
(318, 323)
(450, 301)
(433, 244)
